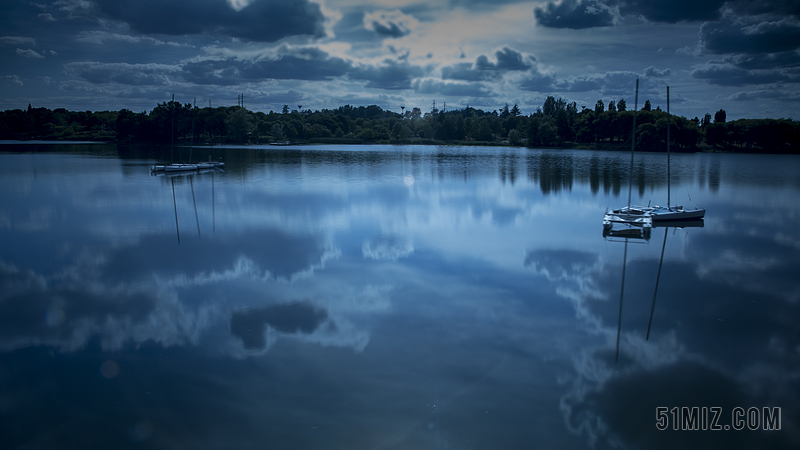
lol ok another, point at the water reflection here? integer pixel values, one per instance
(381, 297)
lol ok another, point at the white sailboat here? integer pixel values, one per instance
(673, 212)
(655, 214)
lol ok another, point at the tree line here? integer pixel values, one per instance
(557, 123)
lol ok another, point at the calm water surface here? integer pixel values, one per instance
(391, 298)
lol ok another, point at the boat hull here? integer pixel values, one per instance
(662, 214)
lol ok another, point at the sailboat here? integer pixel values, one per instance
(670, 212)
(660, 214)
(628, 216)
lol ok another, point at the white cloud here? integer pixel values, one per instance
(28, 53)
(390, 24)
(14, 80)
(17, 40)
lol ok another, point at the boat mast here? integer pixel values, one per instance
(658, 278)
(622, 293)
(668, 171)
(175, 204)
(633, 144)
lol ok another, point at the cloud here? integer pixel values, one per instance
(122, 73)
(387, 248)
(729, 75)
(28, 53)
(293, 64)
(432, 86)
(563, 264)
(671, 11)
(289, 318)
(17, 40)
(392, 75)
(297, 64)
(574, 14)
(656, 73)
(614, 83)
(67, 313)
(538, 82)
(98, 37)
(261, 21)
(766, 94)
(484, 69)
(14, 80)
(750, 35)
(764, 60)
(390, 24)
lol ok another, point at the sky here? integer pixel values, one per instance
(742, 56)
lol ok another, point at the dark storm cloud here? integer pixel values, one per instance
(483, 69)
(750, 36)
(759, 7)
(294, 64)
(261, 21)
(507, 59)
(290, 318)
(300, 64)
(574, 14)
(671, 11)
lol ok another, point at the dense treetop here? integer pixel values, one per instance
(556, 124)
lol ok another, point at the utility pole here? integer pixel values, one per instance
(193, 114)
(172, 126)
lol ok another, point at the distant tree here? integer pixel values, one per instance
(612, 106)
(647, 106)
(285, 109)
(706, 120)
(515, 111)
(514, 137)
(647, 137)
(504, 112)
(599, 107)
(719, 116)
(239, 123)
(621, 105)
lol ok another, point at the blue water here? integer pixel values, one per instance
(379, 297)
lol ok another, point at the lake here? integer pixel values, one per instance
(380, 297)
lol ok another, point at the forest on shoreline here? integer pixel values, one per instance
(557, 124)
